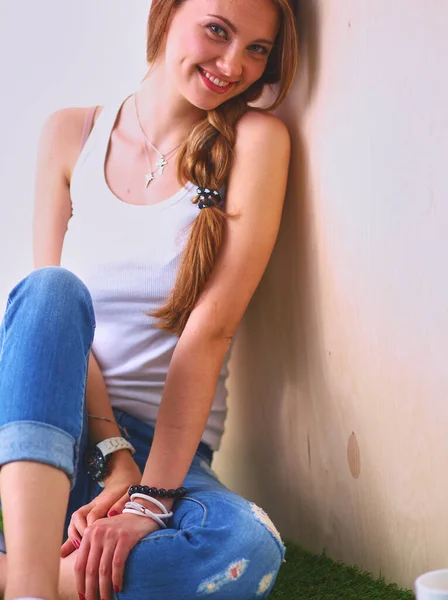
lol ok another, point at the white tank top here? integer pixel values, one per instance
(128, 257)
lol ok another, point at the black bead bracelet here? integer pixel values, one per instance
(161, 493)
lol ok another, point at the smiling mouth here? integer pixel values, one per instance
(221, 83)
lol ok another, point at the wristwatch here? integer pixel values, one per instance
(98, 457)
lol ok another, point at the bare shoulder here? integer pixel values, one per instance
(260, 166)
(263, 145)
(256, 126)
(61, 135)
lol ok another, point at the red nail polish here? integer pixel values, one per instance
(76, 544)
(81, 597)
(116, 590)
(113, 513)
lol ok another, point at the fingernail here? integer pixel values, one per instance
(113, 513)
(81, 597)
(76, 543)
(116, 590)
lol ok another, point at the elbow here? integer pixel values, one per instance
(216, 339)
(220, 337)
(213, 329)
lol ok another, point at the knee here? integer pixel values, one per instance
(255, 534)
(251, 553)
(52, 281)
(265, 529)
(53, 286)
(250, 528)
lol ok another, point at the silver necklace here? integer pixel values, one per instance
(160, 163)
(163, 160)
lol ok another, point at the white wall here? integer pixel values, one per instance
(54, 54)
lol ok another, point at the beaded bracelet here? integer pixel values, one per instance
(161, 493)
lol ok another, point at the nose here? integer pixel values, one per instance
(231, 63)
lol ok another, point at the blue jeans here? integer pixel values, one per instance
(217, 543)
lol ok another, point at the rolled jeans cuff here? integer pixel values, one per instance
(38, 442)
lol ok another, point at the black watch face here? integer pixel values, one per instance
(96, 464)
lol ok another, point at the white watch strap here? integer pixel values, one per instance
(114, 444)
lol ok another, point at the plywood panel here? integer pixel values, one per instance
(338, 390)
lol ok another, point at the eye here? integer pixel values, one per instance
(259, 49)
(217, 30)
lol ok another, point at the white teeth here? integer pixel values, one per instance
(215, 80)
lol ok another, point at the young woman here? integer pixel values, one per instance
(150, 238)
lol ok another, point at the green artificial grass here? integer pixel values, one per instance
(306, 576)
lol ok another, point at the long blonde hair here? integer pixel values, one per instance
(205, 158)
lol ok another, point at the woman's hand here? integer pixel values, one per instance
(104, 550)
(124, 472)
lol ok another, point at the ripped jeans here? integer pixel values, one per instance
(217, 544)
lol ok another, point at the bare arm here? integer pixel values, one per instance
(199, 354)
(59, 147)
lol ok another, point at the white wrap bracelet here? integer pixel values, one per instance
(137, 509)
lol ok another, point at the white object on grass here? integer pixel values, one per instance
(432, 585)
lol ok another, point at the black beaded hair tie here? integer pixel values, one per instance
(208, 198)
(154, 492)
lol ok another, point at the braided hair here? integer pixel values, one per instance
(205, 157)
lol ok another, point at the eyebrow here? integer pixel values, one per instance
(234, 29)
